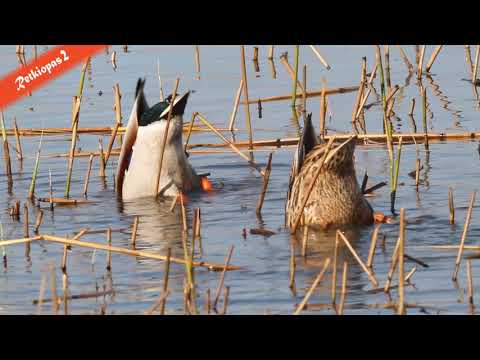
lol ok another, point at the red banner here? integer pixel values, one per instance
(47, 67)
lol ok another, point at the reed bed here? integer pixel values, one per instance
(389, 97)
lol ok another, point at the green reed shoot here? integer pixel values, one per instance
(31, 190)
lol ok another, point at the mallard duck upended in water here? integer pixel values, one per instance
(336, 198)
(139, 161)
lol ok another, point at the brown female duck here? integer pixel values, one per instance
(336, 198)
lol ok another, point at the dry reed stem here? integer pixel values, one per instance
(322, 60)
(64, 259)
(62, 201)
(226, 292)
(174, 202)
(53, 287)
(451, 206)
(6, 155)
(417, 174)
(41, 293)
(361, 90)
(323, 112)
(412, 107)
(344, 288)
(433, 57)
(222, 277)
(77, 297)
(232, 146)
(134, 231)
(291, 72)
(424, 117)
(118, 121)
(161, 300)
(316, 93)
(165, 134)
(334, 273)
(197, 61)
(313, 287)
(405, 59)
(392, 93)
(245, 93)
(475, 66)
(420, 62)
(410, 274)
(87, 177)
(235, 105)
(468, 56)
(119, 250)
(292, 265)
(165, 281)
(25, 229)
(38, 221)
(360, 262)
(270, 52)
(464, 236)
(113, 58)
(401, 266)
(266, 178)
(470, 281)
(17, 139)
(31, 190)
(393, 266)
(109, 253)
(255, 59)
(189, 132)
(373, 245)
(362, 104)
(184, 214)
(312, 184)
(75, 118)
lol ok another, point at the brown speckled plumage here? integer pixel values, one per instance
(336, 198)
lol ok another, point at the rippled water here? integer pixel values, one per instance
(262, 286)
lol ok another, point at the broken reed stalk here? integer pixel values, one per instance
(393, 266)
(197, 61)
(115, 249)
(232, 146)
(323, 113)
(373, 245)
(222, 277)
(424, 117)
(470, 281)
(334, 273)
(160, 80)
(64, 259)
(417, 174)
(235, 106)
(109, 253)
(73, 144)
(165, 134)
(433, 57)
(38, 221)
(113, 59)
(464, 236)
(266, 178)
(25, 229)
(361, 89)
(313, 287)
(475, 66)
(312, 184)
(189, 132)
(315, 93)
(371, 277)
(420, 62)
(134, 231)
(87, 177)
(118, 121)
(468, 56)
(255, 59)
(393, 193)
(295, 79)
(31, 190)
(291, 72)
(401, 266)
(344, 288)
(405, 58)
(17, 139)
(245, 93)
(451, 206)
(292, 265)
(362, 104)
(387, 65)
(322, 60)
(165, 280)
(6, 155)
(50, 188)
(270, 52)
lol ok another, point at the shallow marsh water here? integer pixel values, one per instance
(262, 286)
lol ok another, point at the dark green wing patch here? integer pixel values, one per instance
(153, 114)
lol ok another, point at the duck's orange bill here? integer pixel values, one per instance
(206, 184)
(382, 218)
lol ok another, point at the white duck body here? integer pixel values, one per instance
(177, 173)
